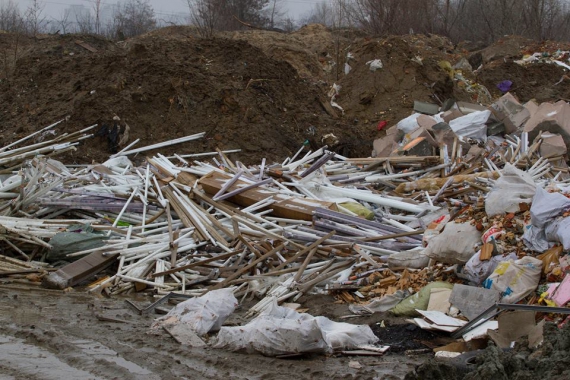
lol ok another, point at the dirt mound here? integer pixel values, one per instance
(534, 81)
(260, 91)
(309, 50)
(166, 88)
(550, 361)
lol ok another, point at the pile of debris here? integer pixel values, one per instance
(459, 215)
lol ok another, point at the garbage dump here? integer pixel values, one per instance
(471, 225)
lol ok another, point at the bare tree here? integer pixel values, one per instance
(211, 15)
(134, 17)
(322, 13)
(35, 20)
(85, 23)
(96, 5)
(63, 22)
(275, 13)
(204, 16)
(288, 24)
(10, 18)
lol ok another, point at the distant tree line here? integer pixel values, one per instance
(128, 18)
(476, 20)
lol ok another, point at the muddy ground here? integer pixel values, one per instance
(48, 334)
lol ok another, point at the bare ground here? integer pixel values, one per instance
(54, 335)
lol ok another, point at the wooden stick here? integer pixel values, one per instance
(247, 267)
(198, 263)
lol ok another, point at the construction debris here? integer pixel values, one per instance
(478, 206)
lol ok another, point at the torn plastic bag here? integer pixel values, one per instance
(345, 336)
(281, 331)
(547, 206)
(272, 336)
(476, 271)
(75, 239)
(471, 125)
(455, 244)
(202, 314)
(375, 64)
(419, 301)
(413, 259)
(512, 188)
(559, 231)
(409, 124)
(515, 279)
(535, 238)
(380, 304)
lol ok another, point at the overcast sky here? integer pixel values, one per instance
(163, 8)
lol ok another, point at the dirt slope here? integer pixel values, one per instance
(262, 92)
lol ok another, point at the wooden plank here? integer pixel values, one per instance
(285, 206)
(86, 46)
(80, 270)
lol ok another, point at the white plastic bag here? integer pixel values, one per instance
(559, 231)
(476, 271)
(280, 331)
(203, 314)
(340, 335)
(455, 245)
(535, 238)
(273, 336)
(515, 279)
(375, 64)
(409, 124)
(379, 304)
(512, 188)
(547, 206)
(413, 259)
(471, 125)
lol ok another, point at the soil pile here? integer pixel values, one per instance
(259, 91)
(550, 361)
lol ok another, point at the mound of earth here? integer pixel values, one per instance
(259, 91)
(550, 361)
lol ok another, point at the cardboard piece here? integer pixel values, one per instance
(481, 331)
(472, 301)
(509, 111)
(426, 122)
(552, 145)
(441, 319)
(553, 118)
(439, 300)
(452, 114)
(385, 146)
(514, 325)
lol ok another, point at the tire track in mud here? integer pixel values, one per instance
(42, 332)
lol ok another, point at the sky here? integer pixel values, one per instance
(162, 8)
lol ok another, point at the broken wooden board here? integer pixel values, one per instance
(86, 46)
(80, 270)
(284, 207)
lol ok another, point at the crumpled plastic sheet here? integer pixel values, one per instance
(202, 314)
(282, 331)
